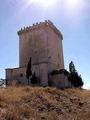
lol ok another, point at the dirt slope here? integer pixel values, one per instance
(37, 103)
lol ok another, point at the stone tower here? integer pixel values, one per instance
(43, 43)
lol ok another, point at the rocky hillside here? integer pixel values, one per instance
(37, 103)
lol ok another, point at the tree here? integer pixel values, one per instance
(75, 79)
(72, 67)
(28, 71)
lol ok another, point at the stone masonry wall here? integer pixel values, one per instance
(43, 43)
(59, 81)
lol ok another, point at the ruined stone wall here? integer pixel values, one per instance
(59, 81)
(17, 74)
(8, 76)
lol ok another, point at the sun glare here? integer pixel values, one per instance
(73, 3)
(45, 3)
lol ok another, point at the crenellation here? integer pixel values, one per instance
(20, 29)
(46, 21)
(27, 28)
(42, 42)
(40, 22)
(55, 29)
(33, 24)
(40, 25)
(49, 22)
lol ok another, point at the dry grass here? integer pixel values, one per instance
(37, 103)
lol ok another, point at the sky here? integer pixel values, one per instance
(71, 17)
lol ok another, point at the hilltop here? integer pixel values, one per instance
(38, 103)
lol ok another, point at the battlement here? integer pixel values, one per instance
(40, 25)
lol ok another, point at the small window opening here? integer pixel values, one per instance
(21, 75)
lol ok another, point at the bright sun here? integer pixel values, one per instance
(45, 3)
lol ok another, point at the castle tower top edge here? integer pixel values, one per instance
(39, 25)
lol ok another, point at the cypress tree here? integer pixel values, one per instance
(28, 71)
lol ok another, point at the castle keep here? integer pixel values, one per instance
(41, 42)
